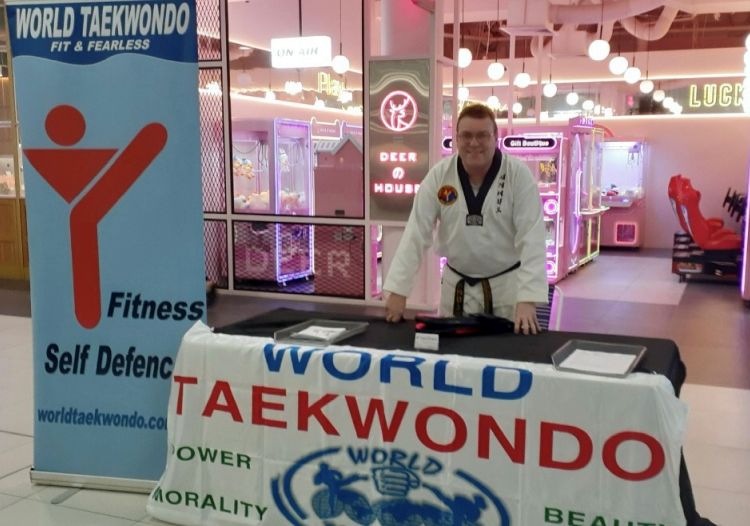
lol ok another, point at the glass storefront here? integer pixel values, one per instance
(296, 148)
(14, 260)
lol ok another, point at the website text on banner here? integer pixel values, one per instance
(278, 434)
(107, 101)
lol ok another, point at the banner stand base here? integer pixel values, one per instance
(70, 480)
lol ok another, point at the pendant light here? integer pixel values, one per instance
(463, 91)
(340, 63)
(464, 57)
(633, 73)
(572, 97)
(647, 86)
(523, 79)
(496, 70)
(618, 64)
(550, 88)
(464, 54)
(492, 101)
(599, 48)
(659, 95)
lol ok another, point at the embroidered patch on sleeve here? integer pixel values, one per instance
(447, 195)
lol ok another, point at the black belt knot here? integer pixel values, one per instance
(458, 297)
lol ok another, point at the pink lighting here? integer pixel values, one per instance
(398, 112)
(395, 188)
(520, 142)
(626, 233)
(581, 122)
(398, 157)
(551, 207)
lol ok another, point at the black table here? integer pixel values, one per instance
(662, 356)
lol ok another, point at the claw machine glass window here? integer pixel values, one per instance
(251, 174)
(623, 167)
(293, 167)
(574, 217)
(589, 204)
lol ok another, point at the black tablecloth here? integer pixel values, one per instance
(662, 356)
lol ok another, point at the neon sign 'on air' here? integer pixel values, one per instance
(398, 111)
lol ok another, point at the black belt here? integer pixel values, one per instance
(458, 296)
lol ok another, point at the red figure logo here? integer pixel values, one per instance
(69, 171)
(398, 111)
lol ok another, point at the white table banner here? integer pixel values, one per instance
(264, 433)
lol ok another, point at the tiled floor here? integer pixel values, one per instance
(619, 293)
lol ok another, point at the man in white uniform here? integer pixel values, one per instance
(490, 228)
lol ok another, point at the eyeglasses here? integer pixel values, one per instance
(483, 136)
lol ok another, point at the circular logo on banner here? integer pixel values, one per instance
(398, 111)
(370, 485)
(447, 195)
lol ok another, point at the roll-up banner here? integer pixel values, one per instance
(108, 110)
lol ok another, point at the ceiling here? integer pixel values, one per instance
(487, 38)
(674, 38)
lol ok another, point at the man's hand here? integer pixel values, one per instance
(526, 321)
(395, 305)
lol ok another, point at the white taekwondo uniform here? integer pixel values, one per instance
(512, 231)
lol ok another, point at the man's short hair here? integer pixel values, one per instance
(477, 110)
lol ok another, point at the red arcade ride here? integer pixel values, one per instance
(707, 249)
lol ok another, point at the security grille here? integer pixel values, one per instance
(340, 261)
(209, 26)
(212, 141)
(299, 259)
(215, 246)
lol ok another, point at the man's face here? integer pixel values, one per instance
(476, 143)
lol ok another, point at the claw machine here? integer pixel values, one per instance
(574, 200)
(623, 167)
(586, 167)
(272, 175)
(544, 154)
